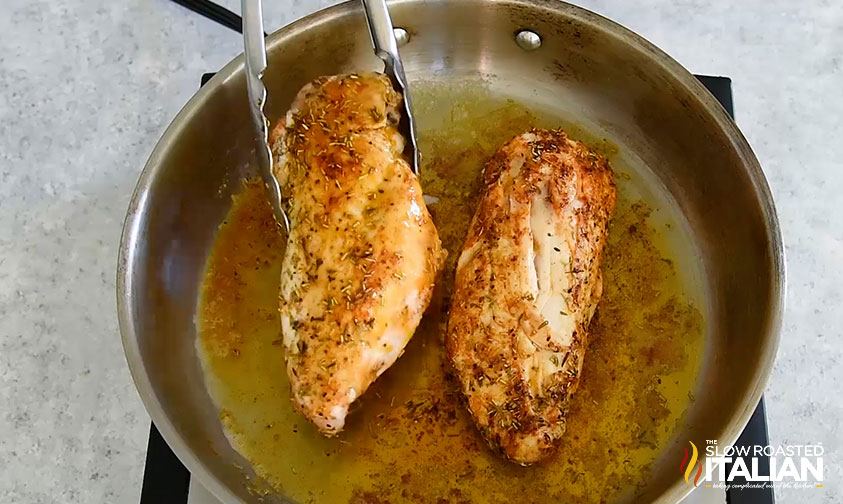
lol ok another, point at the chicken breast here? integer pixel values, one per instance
(362, 253)
(527, 285)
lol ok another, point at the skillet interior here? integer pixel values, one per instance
(587, 69)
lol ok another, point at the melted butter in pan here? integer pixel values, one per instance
(409, 438)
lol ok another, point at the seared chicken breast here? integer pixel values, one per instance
(362, 253)
(527, 285)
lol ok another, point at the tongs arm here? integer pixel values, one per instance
(255, 47)
(386, 48)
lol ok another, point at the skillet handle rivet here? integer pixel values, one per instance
(528, 40)
(402, 36)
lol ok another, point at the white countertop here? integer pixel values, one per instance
(89, 86)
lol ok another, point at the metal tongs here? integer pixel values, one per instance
(255, 46)
(386, 48)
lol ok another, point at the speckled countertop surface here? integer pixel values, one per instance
(88, 87)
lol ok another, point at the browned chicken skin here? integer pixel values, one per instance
(527, 285)
(362, 254)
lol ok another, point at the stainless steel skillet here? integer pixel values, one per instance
(586, 68)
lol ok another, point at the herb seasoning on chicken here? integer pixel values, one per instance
(527, 284)
(362, 253)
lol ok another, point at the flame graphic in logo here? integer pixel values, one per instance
(688, 466)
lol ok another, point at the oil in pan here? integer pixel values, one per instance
(409, 438)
